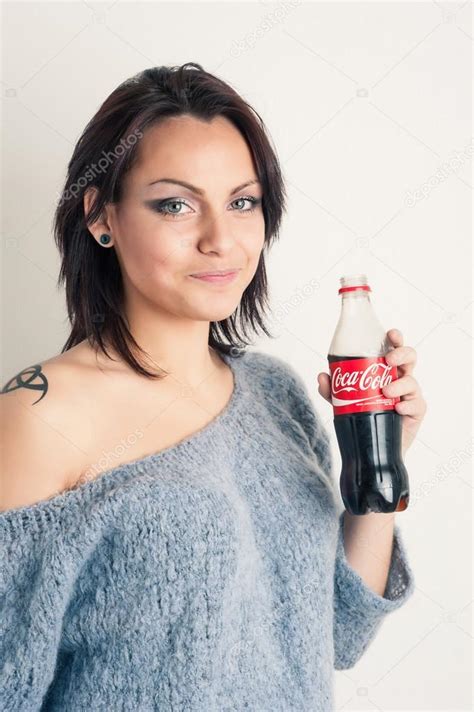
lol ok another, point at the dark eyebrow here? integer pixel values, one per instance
(199, 191)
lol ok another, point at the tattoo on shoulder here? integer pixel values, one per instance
(31, 378)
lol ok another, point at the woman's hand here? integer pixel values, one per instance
(412, 405)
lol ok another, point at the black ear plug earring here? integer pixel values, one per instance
(105, 239)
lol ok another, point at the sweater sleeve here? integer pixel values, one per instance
(358, 610)
(34, 590)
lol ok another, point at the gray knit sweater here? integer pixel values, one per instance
(209, 576)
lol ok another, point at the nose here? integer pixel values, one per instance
(216, 233)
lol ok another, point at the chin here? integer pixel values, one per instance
(216, 311)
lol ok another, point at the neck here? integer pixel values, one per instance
(179, 347)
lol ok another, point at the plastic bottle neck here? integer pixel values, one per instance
(358, 332)
(356, 301)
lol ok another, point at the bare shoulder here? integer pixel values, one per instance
(37, 431)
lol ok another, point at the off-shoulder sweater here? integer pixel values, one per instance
(210, 576)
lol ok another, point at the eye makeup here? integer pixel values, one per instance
(161, 206)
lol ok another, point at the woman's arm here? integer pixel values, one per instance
(368, 544)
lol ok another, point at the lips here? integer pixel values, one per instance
(217, 278)
(215, 273)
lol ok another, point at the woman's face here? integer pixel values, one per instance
(164, 232)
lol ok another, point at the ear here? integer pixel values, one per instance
(102, 223)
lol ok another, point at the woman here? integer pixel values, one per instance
(169, 529)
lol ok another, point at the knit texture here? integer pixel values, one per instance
(209, 576)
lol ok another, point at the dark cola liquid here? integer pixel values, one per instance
(373, 476)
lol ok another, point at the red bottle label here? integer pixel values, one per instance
(356, 385)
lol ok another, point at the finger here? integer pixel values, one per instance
(415, 408)
(404, 357)
(395, 336)
(324, 384)
(404, 386)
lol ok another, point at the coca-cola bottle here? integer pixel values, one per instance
(368, 428)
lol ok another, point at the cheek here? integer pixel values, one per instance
(250, 232)
(148, 250)
(152, 273)
(256, 241)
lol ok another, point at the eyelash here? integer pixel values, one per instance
(160, 205)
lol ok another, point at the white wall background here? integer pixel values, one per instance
(367, 103)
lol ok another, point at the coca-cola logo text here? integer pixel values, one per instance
(376, 375)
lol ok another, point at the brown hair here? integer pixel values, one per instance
(91, 274)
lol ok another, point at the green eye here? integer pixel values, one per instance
(161, 206)
(253, 201)
(168, 205)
